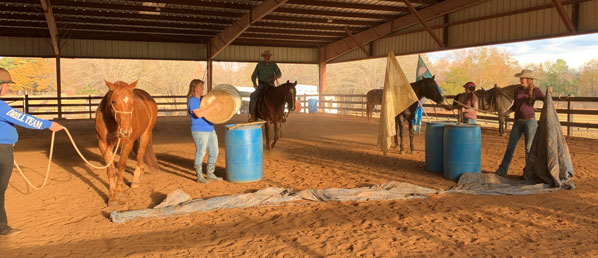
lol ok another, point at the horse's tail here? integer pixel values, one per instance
(150, 157)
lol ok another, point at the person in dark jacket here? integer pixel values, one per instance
(10, 117)
(525, 119)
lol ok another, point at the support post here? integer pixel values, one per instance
(322, 81)
(89, 105)
(209, 68)
(58, 87)
(564, 16)
(26, 104)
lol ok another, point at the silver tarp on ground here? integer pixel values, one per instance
(549, 160)
(178, 202)
(492, 184)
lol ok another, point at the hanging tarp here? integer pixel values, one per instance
(397, 96)
(549, 160)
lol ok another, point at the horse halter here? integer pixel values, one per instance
(121, 131)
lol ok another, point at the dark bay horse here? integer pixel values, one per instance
(127, 114)
(270, 108)
(426, 87)
(496, 100)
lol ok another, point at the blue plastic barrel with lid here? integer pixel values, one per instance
(434, 145)
(462, 150)
(244, 153)
(313, 106)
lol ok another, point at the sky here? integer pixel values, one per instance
(575, 50)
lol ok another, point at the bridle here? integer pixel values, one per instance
(121, 131)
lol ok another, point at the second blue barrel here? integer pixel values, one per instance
(244, 153)
(462, 150)
(313, 106)
(434, 145)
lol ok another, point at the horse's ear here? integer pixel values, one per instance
(433, 76)
(110, 85)
(295, 83)
(133, 84)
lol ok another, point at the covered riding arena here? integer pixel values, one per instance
(69, 217)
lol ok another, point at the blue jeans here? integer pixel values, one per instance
(253, 97)
(528, 128)
(202, 141)
(469, 121)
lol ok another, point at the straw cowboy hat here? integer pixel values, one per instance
(266, 53)
(525, 73)
(5, 76)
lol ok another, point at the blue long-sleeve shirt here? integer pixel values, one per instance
(9, 117)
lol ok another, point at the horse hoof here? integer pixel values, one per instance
(402, 152)
(135, 185)
(113, 203)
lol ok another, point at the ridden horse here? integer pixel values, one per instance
(270, 108)
(129, 115)
(496, 100)
(426, 87)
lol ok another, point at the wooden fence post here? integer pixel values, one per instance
(26, 104)
(569, 115)
(89, 105)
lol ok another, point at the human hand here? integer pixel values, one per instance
(550, 89)
(55, 127)
(254, 85)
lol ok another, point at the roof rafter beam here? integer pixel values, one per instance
(564, 16)
(224, 38)
(357, 43)
(47, 6)
(424, 23)
(357, 6)
(343, 46)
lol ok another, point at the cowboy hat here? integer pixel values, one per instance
(5, 76)
(525, 73)
(266, 53)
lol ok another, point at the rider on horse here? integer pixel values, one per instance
(266, 73)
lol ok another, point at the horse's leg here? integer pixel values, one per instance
(368, 111)
(400, 128)
(396, 132)
(122, 163)
(106, 150)
(267, 131)
(143, 141)
(277, 126)
(411, 134)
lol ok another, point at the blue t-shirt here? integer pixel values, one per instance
(10, 117)
(198, 124)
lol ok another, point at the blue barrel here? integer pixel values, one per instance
(244, 153)
(313, 106)
(462, 150)
(434, 145)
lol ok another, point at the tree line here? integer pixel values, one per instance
(486, 66)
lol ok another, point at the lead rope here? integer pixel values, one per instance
(50, 159)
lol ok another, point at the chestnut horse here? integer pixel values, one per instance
(270, 107)
(129, 115)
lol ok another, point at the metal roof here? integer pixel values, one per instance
(298, 23)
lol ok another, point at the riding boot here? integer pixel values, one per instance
(211, 167)
(200, 178)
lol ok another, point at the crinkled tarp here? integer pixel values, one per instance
(178, 203)
(549, 160)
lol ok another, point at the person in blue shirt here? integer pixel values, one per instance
(10, 117)
(266, 73)
(202, 131)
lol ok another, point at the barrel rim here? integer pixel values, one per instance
(462, 125)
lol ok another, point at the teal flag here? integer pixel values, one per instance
(422, 70)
